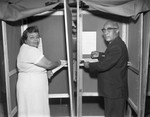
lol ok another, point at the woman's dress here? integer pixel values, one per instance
(32, 84)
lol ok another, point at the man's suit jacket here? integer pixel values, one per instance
(112, 70)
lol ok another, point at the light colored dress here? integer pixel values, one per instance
(32, 84)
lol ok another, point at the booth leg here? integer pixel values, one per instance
(129, 111)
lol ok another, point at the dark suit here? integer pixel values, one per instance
(112, 71)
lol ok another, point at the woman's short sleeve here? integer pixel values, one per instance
(35, 55)
(32, 55)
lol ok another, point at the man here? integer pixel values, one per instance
(112, 71)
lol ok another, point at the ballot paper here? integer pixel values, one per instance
(57, 68)
(88, 42)
(51, 72)
(90, 60)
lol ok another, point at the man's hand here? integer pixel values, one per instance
(94, 54)
(86, 65)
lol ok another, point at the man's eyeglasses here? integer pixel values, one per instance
(108, 29)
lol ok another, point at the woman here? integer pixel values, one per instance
(32, 84)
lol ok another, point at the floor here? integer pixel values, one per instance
(3, 106)
(61, 107)
(91, 107)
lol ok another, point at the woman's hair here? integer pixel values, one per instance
(31, 29)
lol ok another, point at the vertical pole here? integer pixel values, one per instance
(6, 64)
(145, 60)
(68, 59)
(141, 67)
(79, 78)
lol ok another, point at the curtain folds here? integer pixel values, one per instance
(13, 11)
(127, 8)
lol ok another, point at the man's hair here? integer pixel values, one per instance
(113, 23)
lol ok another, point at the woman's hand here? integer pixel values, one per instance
(49, 74)
(63, 62)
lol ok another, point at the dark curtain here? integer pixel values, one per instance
(127, 8)
(13, 10)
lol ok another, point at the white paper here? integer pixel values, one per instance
(90, 60)
(63, 64)
(57, 68)
(88, 42)
(51, 72)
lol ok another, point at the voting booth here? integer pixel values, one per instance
(133, 30)
(55, 26)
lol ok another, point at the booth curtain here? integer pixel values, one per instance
(13, 10)
(127, 8)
